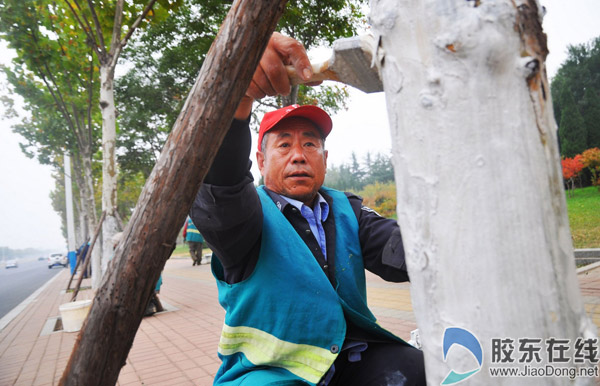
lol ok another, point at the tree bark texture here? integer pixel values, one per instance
(109, 168)
(481, 203)
(107, 335)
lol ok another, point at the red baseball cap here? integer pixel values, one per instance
(313, 113)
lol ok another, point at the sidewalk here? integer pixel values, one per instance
(178, 346)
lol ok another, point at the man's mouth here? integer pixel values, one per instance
(299, 175)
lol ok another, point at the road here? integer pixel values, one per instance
(16, 284)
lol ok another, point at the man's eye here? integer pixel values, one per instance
(309, 144)
(284, 145)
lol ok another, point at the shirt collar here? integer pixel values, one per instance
(322, 204)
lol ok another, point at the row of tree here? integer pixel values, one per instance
(67, 55)
(576, 99)
(355, 175)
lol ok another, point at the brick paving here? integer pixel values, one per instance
(178, 346)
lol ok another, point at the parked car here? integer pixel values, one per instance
(55, 259)
(12, 263)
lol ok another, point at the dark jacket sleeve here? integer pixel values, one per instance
(381, 242)
(227, 210)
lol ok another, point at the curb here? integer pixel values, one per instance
(18, 309)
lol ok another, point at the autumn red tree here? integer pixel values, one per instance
(571, 168)
(591, 160)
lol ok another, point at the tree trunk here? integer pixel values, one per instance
(81, 223)
(106, 337)
(481, 203)
(109, 170)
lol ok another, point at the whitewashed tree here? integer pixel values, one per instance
(480, 196)
(107, 36)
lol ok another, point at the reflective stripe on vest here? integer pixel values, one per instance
(262, 348)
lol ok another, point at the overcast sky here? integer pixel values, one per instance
(28, 220)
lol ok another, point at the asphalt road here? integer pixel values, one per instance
(16, 284)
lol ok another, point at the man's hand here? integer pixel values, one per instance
(270, 77)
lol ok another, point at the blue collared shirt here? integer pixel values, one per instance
(319, 211)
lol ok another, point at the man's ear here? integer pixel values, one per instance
(260, 159)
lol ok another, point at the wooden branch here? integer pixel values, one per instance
(87, 257)
(119, 221)
(97, 26)
(90, 98)
(106, 337)
(115, 43)
(87, 31)
(137, 22)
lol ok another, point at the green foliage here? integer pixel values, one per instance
(373, 180)
(584, 217)
(354, 176)
(578, 76)
(316, 23)
(572, 131)
(320, 22)
(590, 110)
(129, 189)
(166, 58)
(53, 73)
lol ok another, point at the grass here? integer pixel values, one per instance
(181, 249)
(184, 250)
(584, 217)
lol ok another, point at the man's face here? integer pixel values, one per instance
(293, 162)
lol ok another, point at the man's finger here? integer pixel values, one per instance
(292, 53)
(274, 71)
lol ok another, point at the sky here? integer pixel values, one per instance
(27, 219)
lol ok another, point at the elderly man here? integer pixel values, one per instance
(290, 255)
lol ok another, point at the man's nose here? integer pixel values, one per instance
(298, 154)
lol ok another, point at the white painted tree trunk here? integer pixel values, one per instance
(109, 173)
(480, 197)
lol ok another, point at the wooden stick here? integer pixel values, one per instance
(87, 260)
(77, 266)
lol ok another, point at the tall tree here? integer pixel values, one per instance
(580, 75)
(107, 28)
(166, 58)
(481, 203)
(572, 131)
(54, 73)
(590, 111)
(107, 335)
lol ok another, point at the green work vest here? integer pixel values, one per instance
(286, 322)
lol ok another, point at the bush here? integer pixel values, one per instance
(380, 197)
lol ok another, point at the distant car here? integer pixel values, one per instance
(42, 258)
(12, 263)
(55, 259)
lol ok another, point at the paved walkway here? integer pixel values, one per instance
(178, 346)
